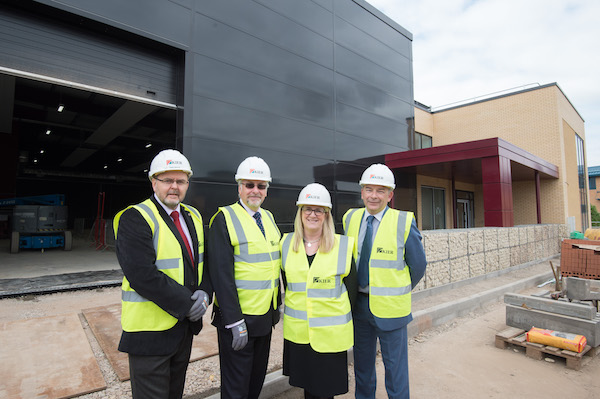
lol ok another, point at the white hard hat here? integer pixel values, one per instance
(378, 174)
(314, 194)
(253, 168)
(167, 161)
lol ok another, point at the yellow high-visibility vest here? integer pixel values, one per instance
(317, 309)
(137, 312)
(389, 278)
(256, 258)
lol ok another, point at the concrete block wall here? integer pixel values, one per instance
(458, 254)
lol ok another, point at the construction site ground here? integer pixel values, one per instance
(451, 349)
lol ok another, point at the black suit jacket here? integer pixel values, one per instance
(137, 258)
(221, 268)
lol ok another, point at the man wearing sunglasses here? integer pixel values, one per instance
(243, 260)
(160, 247)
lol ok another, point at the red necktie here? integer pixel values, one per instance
(175, 216)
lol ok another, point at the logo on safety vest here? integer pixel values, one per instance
(385, 251)
(274, 243)
(319, 280)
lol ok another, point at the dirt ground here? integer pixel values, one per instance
(458, 359)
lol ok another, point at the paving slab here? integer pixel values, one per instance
(105, 323)
(47, 357)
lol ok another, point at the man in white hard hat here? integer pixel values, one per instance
(166, 291)
(244, 261)
(390, 263)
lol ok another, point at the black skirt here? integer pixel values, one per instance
(321, 374)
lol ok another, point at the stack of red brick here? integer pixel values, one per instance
(578, 258)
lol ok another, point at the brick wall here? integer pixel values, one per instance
(459, 254)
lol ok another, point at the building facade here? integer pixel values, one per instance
(515, 159)
(320, 89)
(594, 186)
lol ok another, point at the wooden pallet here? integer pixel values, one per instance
(516, 336)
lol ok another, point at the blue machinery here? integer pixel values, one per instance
(39, 222)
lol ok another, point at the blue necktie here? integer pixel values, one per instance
(365, 254)
(259, 222)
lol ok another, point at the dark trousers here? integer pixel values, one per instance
(394, 351)
(160, 377)
(243, 372)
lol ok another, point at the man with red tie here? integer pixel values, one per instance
(166, 290)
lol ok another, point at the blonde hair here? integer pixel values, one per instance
(327, 239)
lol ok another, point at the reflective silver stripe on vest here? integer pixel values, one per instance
(244, 255)
(285, 248)
(296, 287)
(150, 214)
(330, 320)
(297, 314)
(399, 263)
(256, 284)
(329, 293)
(132, 296)
(164, 264)
(348, 217)
(192, 210)
(201, 257)
(391, 291)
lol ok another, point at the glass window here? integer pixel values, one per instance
(422, 141)
(592, 182)
(434, 209)
(583, 192)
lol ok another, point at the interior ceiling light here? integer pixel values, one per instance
(148, 145)
(35, 161)
(60, 108)
(48, 131)
(120, 160)
(105, 166)
(41, 151)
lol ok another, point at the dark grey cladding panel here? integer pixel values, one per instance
(165, 21)
(217, 161)
(366, 71)
(368, 98)
(357, 122)
(266, 24)
(314, 16)
(220, 81)
(226, 122)
(352, 38)
(259, 56)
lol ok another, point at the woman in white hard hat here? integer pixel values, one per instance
(320, 285)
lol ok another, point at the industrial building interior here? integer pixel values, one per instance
(87, 147)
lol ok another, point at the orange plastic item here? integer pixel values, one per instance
(572, 342)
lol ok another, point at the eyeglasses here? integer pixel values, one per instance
(250, 186)
(317, 212)
(169, 182)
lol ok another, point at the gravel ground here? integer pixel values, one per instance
(202, 377)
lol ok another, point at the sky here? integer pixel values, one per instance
(464, 49)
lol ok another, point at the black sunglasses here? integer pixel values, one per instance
(250, 186)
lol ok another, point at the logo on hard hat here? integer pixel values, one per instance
(174, 162)
(258, 172)
(312, 196)
(376, 177)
